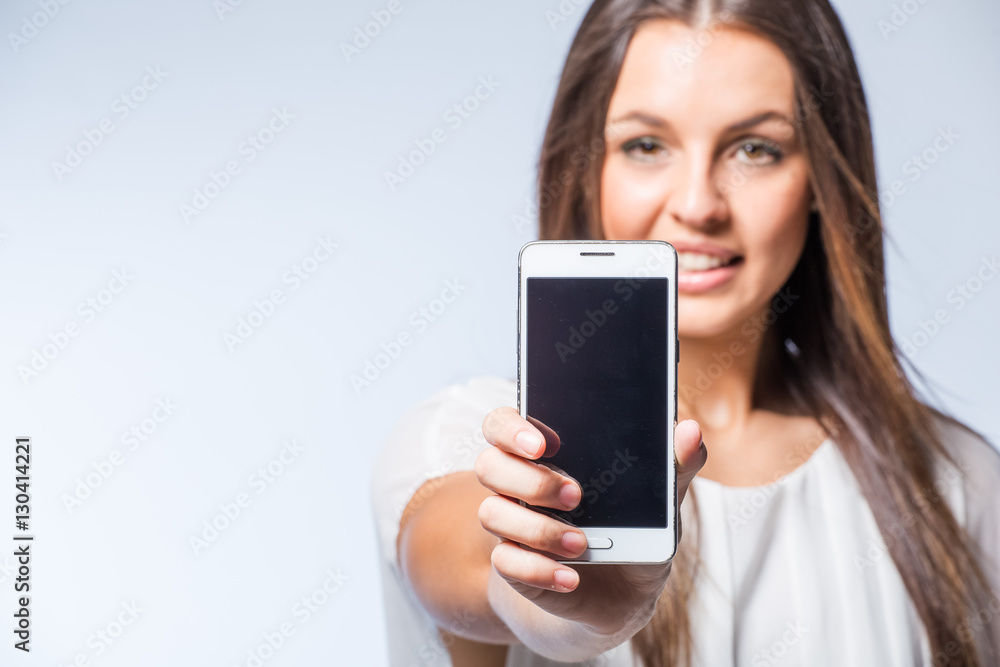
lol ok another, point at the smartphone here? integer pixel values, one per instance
(597, 354)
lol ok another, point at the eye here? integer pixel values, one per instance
(643, 149)
(758, 152)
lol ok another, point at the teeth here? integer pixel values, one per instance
(694, 261)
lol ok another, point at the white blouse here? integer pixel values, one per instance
(793, 573)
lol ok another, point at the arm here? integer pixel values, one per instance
(444, 553)
(459, 548)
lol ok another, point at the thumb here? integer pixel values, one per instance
(690, 453)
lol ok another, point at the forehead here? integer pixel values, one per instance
(703, 77)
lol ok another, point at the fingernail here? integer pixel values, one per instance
(574, 542)
(569, 495)
(528, 442)
(565, 579)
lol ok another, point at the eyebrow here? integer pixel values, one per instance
(656, 121)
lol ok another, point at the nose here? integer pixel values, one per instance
(694, 197)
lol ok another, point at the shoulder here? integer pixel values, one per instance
(447, 425)
(976, 471)
(438, 435)
(457, 401)
(977, 465)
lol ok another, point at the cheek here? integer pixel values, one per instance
(630, 203)
(772, 216)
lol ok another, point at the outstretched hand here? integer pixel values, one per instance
(605, 598)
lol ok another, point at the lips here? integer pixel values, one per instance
(695, 261)
(704, 248)
(704, 266)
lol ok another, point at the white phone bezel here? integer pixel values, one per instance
(630, 259)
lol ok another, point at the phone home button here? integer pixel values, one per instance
(598, 542)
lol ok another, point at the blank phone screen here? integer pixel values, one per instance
(596, 380)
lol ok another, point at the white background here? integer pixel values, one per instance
(162, 336)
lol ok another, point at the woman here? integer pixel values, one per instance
(839, 520)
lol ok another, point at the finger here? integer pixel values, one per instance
(511, 475)
(690, 452)
(510, 521)
(552, 440)
(521, 568)
(506, 429)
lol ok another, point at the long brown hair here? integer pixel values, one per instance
(844, 368)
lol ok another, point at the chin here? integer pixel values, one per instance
(707, 320)
(701, 332)
(710, 328)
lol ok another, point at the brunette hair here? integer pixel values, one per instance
(844, 368)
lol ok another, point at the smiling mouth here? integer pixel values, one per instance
(691, 262)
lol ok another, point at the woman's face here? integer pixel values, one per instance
(703, 152)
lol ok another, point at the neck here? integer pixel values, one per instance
(722, 379)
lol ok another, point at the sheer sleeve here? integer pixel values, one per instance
(440, 435)
(976, 501)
